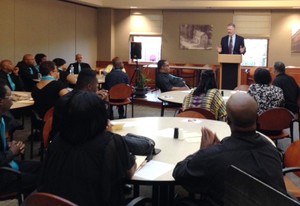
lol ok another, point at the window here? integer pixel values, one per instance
(151, 47)
(256, 52)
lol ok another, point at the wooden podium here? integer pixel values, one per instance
(230, 70)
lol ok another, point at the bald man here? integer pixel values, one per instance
(28, 72)
(204, 171)
(79, 65)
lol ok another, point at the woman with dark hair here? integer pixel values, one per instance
(266, 95)
(206, 96)
(84, 163)
(46, 92)
(66, 78)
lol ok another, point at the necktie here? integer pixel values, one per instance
(11, 83)
(230, 45)
(30, 70)
(12, 163)
(79, 68)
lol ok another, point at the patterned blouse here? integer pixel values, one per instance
(266, 96)
(211, 101)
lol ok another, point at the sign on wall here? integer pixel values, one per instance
(195, 36)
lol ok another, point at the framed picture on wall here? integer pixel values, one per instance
(295, 44)
(195, 36)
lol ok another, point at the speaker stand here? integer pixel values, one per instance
(135, 75)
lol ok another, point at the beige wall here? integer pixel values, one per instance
(56, 28)
(280, 39)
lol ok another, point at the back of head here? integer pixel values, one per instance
(207, 82)
(84, 117)
(59, 62)
(117, 62)
(39, 58)
(242, 112)
(279, 67)
(160, 64)
(46, 67)
(262, 76)
(85, 78)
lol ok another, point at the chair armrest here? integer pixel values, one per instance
(139, 201)
(290, 169)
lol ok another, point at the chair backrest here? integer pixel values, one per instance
(206, 113)
(49, 114)
(46, 131)
(46, 199)
(291, 156)
(242, 87)
(191, 114)
(120, 92)
(244, 189)
(275, 119)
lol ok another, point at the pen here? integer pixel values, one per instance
(142, 165)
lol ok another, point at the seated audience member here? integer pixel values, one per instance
(66, 78)
(288, 85)
(116, 76)
(8, 151)
(204, 171)
(109, 68)
(167, 82)
(39, 58)
(48, 90)
(267, 96)
(8, 75)
(206, 96)
(28, 72)
(86, 164)
(78, 66)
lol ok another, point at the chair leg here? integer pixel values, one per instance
(125, 111)
(162, 111)
(132, 109)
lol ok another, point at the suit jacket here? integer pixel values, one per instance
(16, 79)
(27, 78)
(239, 41)
(75, 65)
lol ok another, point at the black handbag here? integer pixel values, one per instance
(140, 145)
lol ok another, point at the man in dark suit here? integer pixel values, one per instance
(232, 43)
(12, 80)
(28, 72)
(78, 65)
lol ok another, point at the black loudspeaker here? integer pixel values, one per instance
(136, 50)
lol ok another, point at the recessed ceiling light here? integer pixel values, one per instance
(133, 7)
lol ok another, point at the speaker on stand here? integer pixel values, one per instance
(135, 54)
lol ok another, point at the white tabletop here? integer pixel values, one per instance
(178, 96)
(21, 99)
(161, 130)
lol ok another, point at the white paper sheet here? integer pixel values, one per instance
(153, 170)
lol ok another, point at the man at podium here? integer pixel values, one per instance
(230, 68)
(232, 43)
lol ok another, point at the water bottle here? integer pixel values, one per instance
(72, 69)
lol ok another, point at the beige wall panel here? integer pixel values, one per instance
(7, 29)
(280, 39)
(105, 34)
(61, 31)
(31, 27)
(170, 42)
(86, 34)
(122, 32)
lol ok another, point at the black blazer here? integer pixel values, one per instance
(16, 79)
(239, 41)
(75, 65)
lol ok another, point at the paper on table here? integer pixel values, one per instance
(154, 169)
(197, 121)
(139, 160)
(168, 97)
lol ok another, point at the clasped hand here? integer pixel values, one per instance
(208, 138)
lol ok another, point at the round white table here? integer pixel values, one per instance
(158, 171)
(178, 96)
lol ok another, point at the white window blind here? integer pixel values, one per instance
(253, 25)
(146, 22)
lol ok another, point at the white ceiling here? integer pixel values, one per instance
(191, 4)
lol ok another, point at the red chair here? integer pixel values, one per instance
(120, 95)
(274, 121)
(206, 113)
(46, 199)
